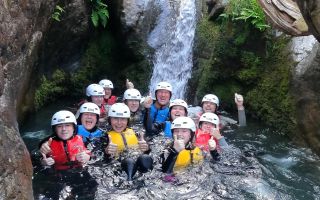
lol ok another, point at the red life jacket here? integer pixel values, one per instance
(103, 111)
(112, 100)
(202, 139)
(64, 152)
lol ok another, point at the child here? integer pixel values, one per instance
(108, 98)
(67, 148)
(182, 152)
(132, 98)
(95, 94)
(123, 141)
(208, 129)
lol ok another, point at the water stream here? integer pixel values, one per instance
(260, 164)
(172, 39)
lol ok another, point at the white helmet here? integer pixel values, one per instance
(178, 102)
(90, 108)
(119, 110)
(211, 98)
(95, 90)
(105, 83)
(164, 86)
(210, 117)
(133, 94)
(184, 122)
(62, 117)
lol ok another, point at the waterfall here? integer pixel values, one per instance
(172, 40)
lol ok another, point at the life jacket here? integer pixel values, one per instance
(187, 157)
(103, 111)
(64, 152)
(167, 129)
(87, 135)
(126, 139)
(202, 139)
(112, 100)
(159, 115)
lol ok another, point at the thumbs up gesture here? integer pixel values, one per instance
(46, 161)
(148, 101)
(143, 145)
(238, 99)
(45, 147)
(111, 149)
(129, 84)
(212, 144)
(83, 156)
(178, 144)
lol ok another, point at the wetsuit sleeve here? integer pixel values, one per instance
(151, 127)
(215, 155)
(242, 118)
(169, 161)
(223, 143)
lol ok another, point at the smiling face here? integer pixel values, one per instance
(133, 104)
(208, 106)
(177, 111)
(108, 92)
(119, 124)
(98, 100)
(207, 127)
(182, 133)
(64, 131)
(163, 97)
(89, 120)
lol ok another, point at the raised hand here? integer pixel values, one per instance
(111, 149)
(238, 99)
(46, 161)
(148, 101)
(212, 144)
(129, 84)
(143, 145)
(216, 133)
(45, 147)
(83, 156)
(178, 144)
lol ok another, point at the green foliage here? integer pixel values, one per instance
(51, 89)
(100, 14)
(58, 10)
(246, 10)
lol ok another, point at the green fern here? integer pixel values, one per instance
(100, 14)
(58, 10)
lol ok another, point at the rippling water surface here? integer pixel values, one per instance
(260, 164)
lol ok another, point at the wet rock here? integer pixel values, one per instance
(23, 27)
(216, 7)
(285, 15)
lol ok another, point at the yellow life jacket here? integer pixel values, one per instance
(125, 139)
(187, 157)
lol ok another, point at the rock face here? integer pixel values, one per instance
(23, 27)
(285, 15)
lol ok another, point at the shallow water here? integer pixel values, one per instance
(260, 164)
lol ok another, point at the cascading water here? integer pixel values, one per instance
(172, 39)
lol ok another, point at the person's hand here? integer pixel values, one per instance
(238, 99)
(215, 132)
(212, 144)
(47, 161)
(83, 156)
(143, 145)
(111, 148)
(45, 147)
(148, 101)
(129, 84)
(178, 144)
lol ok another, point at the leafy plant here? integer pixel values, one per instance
(58, 10)
(246, 10)
(99, 13)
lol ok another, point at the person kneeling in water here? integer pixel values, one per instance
(182, 152)
(67, 149)
(124, 143)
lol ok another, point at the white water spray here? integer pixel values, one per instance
(172, 40)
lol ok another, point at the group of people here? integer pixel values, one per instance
(75, 137)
